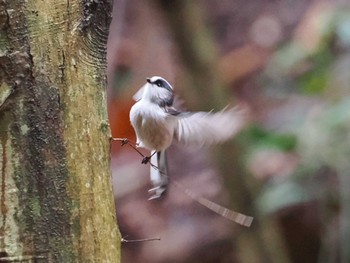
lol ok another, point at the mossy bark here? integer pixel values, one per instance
(56, 198)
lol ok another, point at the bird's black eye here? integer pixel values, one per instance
(159, 83)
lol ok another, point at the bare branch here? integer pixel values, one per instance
(124, 240)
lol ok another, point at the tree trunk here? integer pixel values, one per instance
(56, 198)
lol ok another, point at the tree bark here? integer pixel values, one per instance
(56, 198)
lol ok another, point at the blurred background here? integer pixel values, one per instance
(289, 61)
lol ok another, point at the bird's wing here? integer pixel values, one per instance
(201, 128)
(172, 111)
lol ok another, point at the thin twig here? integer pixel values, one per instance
(124, 240)
(128, 142)
(125, 141)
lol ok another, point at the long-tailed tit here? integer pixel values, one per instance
(157, 123)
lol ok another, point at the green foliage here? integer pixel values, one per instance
(315, 80)
(258, 137)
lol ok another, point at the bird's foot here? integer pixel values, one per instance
(125, 141)
(146, 159)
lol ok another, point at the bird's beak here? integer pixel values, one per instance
(149, 80)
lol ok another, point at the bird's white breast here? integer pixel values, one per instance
(154, 128)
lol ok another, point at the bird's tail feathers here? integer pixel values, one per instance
(159, 174)
(236, 217)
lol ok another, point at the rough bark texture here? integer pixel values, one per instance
(56, 199)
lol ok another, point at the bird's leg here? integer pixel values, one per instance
(146, 159)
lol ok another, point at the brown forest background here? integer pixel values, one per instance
(289, 60)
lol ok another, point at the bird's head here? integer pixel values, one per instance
(159, 91)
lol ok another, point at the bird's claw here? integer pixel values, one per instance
(124, 141)
(145, 160)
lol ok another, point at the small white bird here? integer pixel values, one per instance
(157, 123)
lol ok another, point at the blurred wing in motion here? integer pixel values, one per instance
(201, 128)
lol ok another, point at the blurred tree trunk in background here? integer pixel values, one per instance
(199, 56)
(56, 196)
(197, 52)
